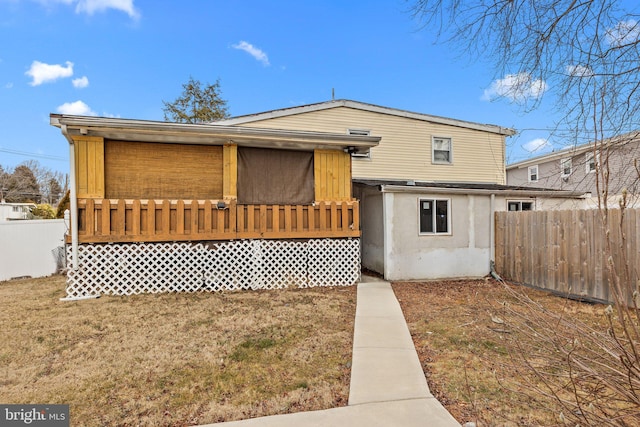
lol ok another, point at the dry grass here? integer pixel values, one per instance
(175, 359)
(466, 343)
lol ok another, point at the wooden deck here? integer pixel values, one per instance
(120, 220)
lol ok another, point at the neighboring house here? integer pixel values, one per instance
(576, 169)
(15, 211)
(427, 191)
(159, 206)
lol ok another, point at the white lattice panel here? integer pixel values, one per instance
(282, 264)
(333, 262)
(228, 266)
(135, 268)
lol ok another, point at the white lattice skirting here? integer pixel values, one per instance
(136, 268)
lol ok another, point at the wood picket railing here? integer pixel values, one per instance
(120, 220)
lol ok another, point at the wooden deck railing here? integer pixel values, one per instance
(120, 220)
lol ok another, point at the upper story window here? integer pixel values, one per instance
(565, 167)
(441, 150)
(435, 216)
(360, 132)
(589, 162)
(533, 173)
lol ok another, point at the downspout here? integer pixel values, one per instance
(73, 197)
(385, 236)
(492, 238)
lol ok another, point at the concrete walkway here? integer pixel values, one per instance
(388, 387)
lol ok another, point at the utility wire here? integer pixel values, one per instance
(24, 153)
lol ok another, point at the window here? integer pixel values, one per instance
(565, 167)
(517, 205)
(441, 148)
(590, 162)
(434, 216)
(360, 132)
(533, 173)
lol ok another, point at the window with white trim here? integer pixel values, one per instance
(360, 132)
(589, 162)
(533, 173)
(441, 151)
(519, 205)
(435, 216)
(566, 167)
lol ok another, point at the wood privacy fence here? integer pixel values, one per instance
(564, 251)
(120, 220)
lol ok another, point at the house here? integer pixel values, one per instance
(159, 206)
(427, 191)
(576, 168)
(15, 211)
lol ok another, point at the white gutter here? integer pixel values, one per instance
(73, 197)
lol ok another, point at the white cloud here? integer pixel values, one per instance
(517, 87)
(258, 54)
(50, 2)
(8, 85)
(538, 144)
(80, 82)
(44, 73)
(92, 6)
(579, 71)
(624, 32)
(77, 108)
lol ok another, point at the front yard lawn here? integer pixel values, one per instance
(175, 359)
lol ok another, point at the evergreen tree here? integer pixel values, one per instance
(197, 104)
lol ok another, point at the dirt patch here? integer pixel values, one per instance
(176, 359)
(465, 347)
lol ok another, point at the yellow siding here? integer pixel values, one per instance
(89, 153)
(230, 173)
(405, 148)
(332, 175)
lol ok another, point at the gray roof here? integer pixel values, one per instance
(238, 120)
(576, 150)
(465, 188)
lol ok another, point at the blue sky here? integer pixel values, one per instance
(122, 58)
